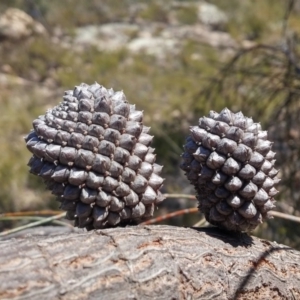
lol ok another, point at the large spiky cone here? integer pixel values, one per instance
(92, 150)
(229, 160)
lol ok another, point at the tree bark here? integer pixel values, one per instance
(148, 262)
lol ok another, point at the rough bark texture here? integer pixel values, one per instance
(148, 262)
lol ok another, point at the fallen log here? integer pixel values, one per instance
(148, 262)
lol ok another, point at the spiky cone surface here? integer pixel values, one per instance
(229, 160)
(93, 152)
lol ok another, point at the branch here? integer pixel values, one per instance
(148, 262)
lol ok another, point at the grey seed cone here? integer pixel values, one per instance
(229, 160)
(93, 152)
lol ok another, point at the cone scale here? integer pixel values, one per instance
(93, 152)
(229, 160)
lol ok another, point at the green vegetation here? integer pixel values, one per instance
(155, 12)
(187, 15)
(174, 92)
(255, 20)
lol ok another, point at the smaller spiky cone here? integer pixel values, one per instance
(229, 160)
(93, 152)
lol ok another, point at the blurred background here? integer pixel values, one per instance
(176, 60)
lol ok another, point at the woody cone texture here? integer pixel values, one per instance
(92, 150)
(229, 160)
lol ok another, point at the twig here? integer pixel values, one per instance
(31, 213)
(186, 196)
(200, 223)
(24, 218)
(33, 224)
(171, 215)
(288, 11)
(195, 209)
(285, 216)
(148, 222)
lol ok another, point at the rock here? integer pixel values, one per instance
(19, 84)
(156, 46)
(7, 79)
(213, 38)
(7, 69)
(107, 37)
(201, 34)
(154, 39)
(135, 38)
(211, 15)
(15, 24)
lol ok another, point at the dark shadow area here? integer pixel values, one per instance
(235, 239)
